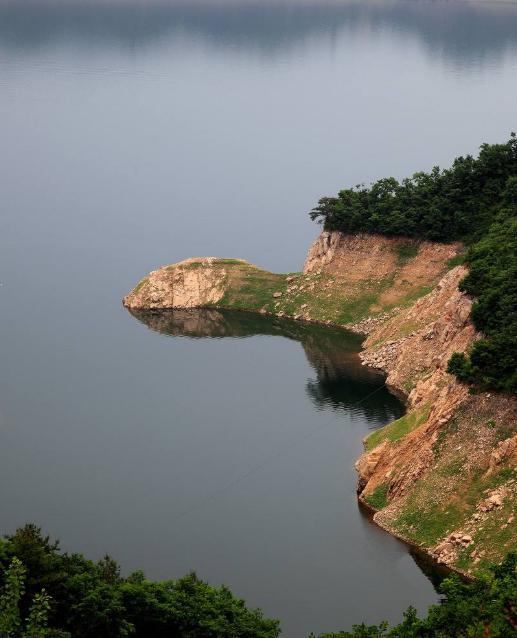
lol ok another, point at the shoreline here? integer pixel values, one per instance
(411, 317)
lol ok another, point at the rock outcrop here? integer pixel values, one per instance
(362, 256)
(193, 283)
(345, 279)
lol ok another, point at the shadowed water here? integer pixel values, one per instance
(135, 133)
(342, 382)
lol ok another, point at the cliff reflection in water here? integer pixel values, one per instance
(341, 383)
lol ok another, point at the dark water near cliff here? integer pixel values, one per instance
(133, 134)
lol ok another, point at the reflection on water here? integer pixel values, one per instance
(464, 33)
(435, 573)
(342, 383)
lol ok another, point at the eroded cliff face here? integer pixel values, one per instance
(405, 268)
(192, 283)
(444, 475)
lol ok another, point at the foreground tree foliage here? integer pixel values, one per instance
(11, 623)
(474, 201)
(82, 599)
(92, 600)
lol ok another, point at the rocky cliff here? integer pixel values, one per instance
(444, 476)
(195, 282)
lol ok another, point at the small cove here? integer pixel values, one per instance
(307, 480)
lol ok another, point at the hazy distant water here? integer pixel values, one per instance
(134, 134)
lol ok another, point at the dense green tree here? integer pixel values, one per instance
(474, 201)
(11, 625)
(492, 280)
(12, 592)
(92, 600)
(442, 205)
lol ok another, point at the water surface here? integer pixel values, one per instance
(137, 133)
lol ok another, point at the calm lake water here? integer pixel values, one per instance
(134, 134)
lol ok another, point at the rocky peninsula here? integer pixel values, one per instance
(444, 475)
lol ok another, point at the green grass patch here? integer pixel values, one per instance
(455, 261)
(252, 289)
(140, 284)
(453, 468)
(505, 431)
(378, 499)
(406, 328)
(405, 252)
(415, 294)
(399, 428)
(231, 262)
(355, 309)
(428, 524)
(424, 520)
(408, 385)
(450, 428)
(496, 537)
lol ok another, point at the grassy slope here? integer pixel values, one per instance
(396, 430)
(447, 497)
(319, 297)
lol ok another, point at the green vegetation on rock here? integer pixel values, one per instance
(378, 499)
(399, 428)
(316, 296)
(450, 495)
(405, 252)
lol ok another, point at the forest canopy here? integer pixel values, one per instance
(473, 201)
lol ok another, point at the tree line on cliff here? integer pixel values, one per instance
(474, 201)
(46, 593)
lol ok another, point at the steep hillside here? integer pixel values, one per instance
(444, 475)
